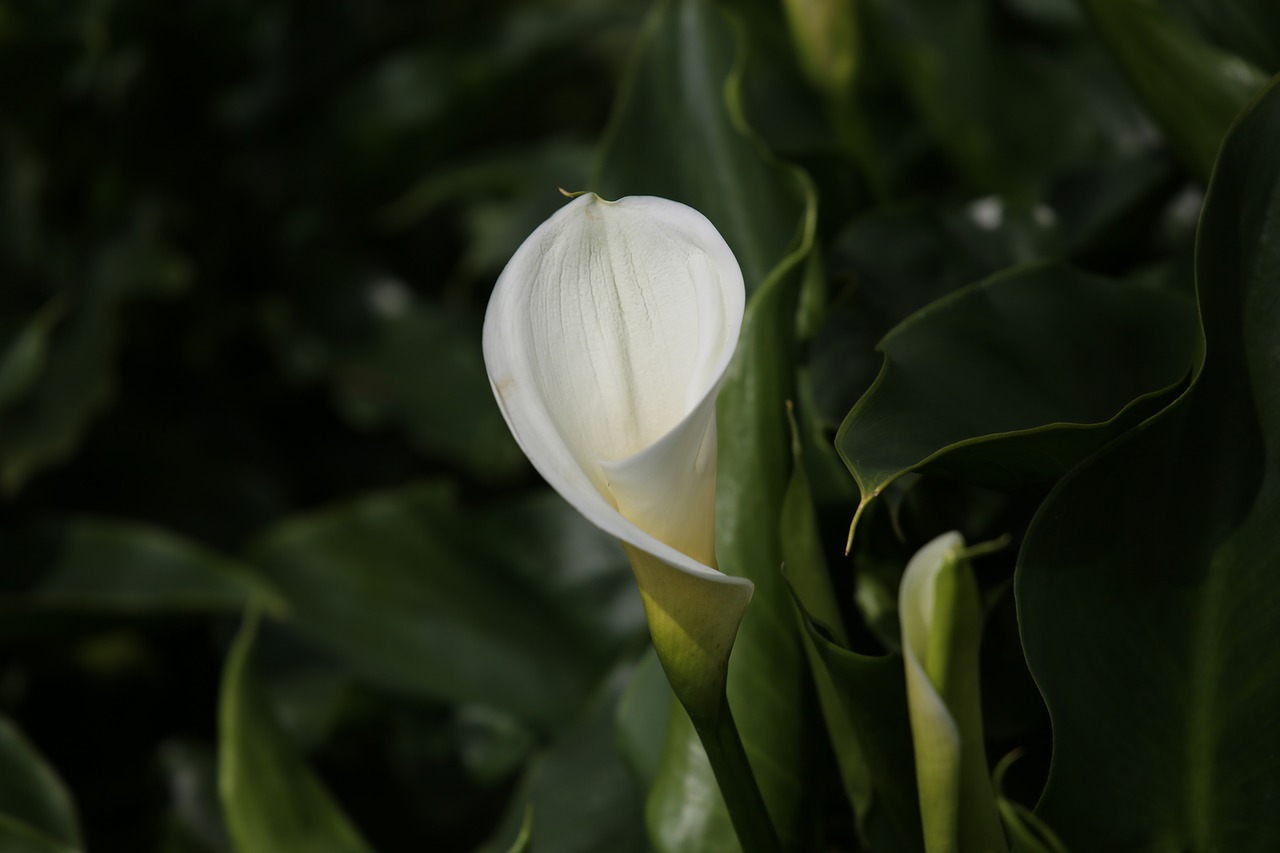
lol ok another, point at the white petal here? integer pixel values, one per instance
(669, 488)
(606, 339)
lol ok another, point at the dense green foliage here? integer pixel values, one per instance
(274, 576)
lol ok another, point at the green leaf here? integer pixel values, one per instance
(901, 259)
(492, 744)
(1016, 378)
(104, 565)
(18, 837)
(671, 134)
(1028, 833)
(271, 798)
(419, 356)
(499, 197)
(32, 795)
(1147, 582)
(826, 43)
(862, 697)
(525, 837)
(23, 355)
(1250, 28)
(643, 711)
(1192, 89)
(992, 105)
(532, 603)
(767, 685)
(580, 794)
(75, 382)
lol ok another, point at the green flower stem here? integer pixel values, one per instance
(737, 782)
(693, 619)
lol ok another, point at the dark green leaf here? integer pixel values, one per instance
(1250, 28)
(22, 355)
(18, 837)
(1147, 583)
(501, 198)
(581, 795)
(522, 608)
(901, 259)
(492, 744)
(31, 792)
(1016, 378)
(672, 134)
(869, 694)
(768, 688)
(1192, 89)
(1028, 833)
(271, 798)
(424, 372)
(990, 102)
(46, 423)
(115, 566)
(525, 837)
(643, 711)
(865, 718)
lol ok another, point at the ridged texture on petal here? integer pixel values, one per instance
(606, 339)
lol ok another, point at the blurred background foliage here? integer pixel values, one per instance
(272, 568)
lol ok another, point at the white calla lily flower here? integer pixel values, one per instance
(606, 340)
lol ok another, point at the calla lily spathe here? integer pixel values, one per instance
(941, 615)
(606, 340)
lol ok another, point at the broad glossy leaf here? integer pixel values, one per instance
(901, 259)
(523, 607)
(271, 799)
(1193, 89)
(872, 695)
(767, 685)
(862, 697)
(31, 794)
(675, 133)
(103, 565)
(578, 795)
(1016, 378)
(1148, 582)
